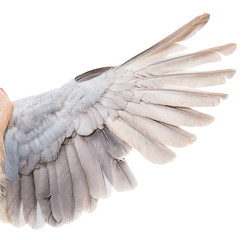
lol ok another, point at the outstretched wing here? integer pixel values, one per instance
(66, 147)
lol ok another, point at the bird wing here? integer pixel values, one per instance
(65, 148)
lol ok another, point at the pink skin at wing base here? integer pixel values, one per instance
(6, 109)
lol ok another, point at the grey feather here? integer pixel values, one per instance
(27, 165)
(28, 199)
(42, 193)
(115, 147)
(65, 187)
(13, 202)
(122, 177)
(12, 158)
(116, 170)
(81, 193)
(91, 167)
(56, 207)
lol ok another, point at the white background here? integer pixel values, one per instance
(200, 195)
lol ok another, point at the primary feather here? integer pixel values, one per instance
(64, 148)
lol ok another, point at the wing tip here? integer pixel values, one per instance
(228, 49)
(201, 20)
(204, 17)
(230, 73)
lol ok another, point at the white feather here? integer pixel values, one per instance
(151, 150)
(161, 133)
(98, 117)
(40, 222)
(86, 125)
(157, 55)
(190, 79)
(171, 115)
(181, 98)
(187, 61)
(21, 218)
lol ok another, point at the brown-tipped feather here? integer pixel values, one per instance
(161, 133)
(187, 79)
(187, 61)
(176, 116)
(179, 35)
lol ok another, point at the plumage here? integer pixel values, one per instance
(187, 61)
(112, 102)
(109, 153)
(122, 177)
(151, 150)
(13, 202)
(102, 160)
(42, 194)
(65, 186)
(80, 188)
(56, 206)
(102, 111)
(180, 97)
(98, 117)
(157, 56)
(114, 146)
(91, 168)
(181, 34)
(91, 74)
(29, 202)
(188, 79)
(162, 133)
(61, 151)
(86, 124)
(178, 116)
